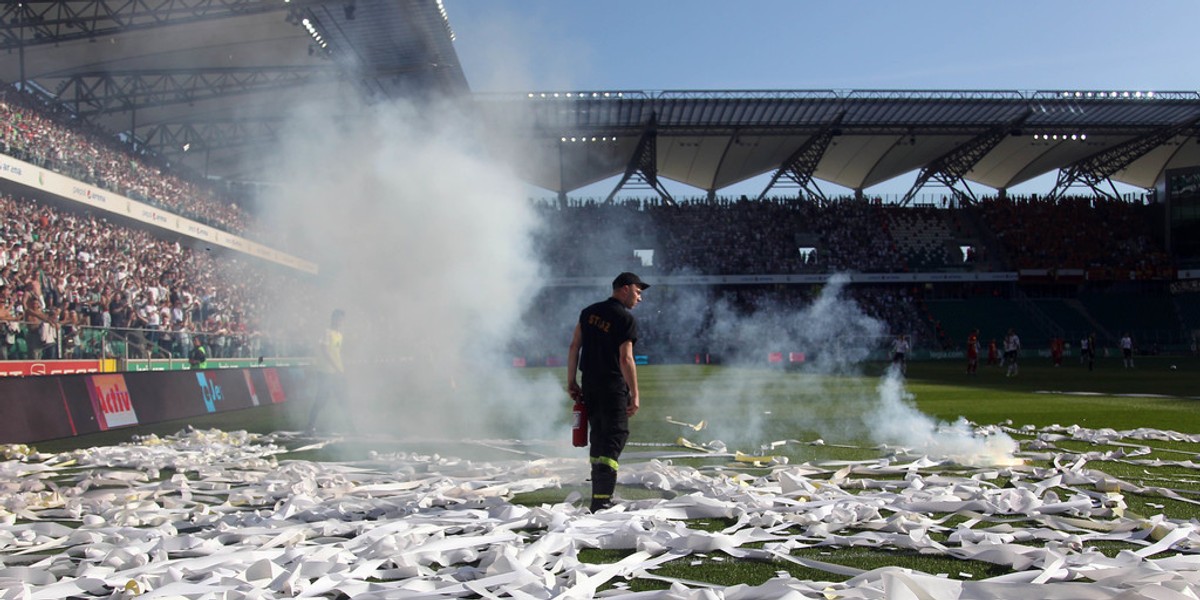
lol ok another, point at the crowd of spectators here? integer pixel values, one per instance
(786, 236)
(1081, 233)
(77, 285)
(47, 136)
(731, 237)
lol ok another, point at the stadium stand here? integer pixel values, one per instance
(1072, 320)
(1090, 236)
(928, 239)
(76, 285)
(1061, 249)
(38, 133)
(1105, 238)
(1187, 303)
(1151, 319)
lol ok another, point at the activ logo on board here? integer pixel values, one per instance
(110, 401)
(210, 391)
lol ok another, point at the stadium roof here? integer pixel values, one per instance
(205, 82)
(214, 76)
(856, 139)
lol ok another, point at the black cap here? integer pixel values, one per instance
(627, 278)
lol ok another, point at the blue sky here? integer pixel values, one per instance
(523, 45)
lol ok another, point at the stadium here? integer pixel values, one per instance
(967, 386)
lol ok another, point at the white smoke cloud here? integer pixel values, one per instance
(826, 398)
(426, 243)
(895, 420)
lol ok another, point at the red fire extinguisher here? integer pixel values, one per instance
(579, 431)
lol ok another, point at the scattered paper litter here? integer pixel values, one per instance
(236, 519)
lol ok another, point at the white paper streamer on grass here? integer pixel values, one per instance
(209, 514)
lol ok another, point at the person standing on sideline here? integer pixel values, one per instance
(1012, 349)
(900, 348)
(198, 358)
(1084, 349)
(602, 348)
(1127, 350)
(331, 373)
(1090, 342)
(973, 352)
(992, 352)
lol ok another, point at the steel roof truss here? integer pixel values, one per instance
(95, 93)
(37, 22)
(800, 166)
(950, 168)
(1095, 170)
(173, 138)
(643, 165)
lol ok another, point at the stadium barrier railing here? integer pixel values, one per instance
(31, 340)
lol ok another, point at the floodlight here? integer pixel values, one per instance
(1083, 136)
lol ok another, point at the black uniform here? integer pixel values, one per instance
(604, 326)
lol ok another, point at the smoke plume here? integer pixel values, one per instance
(425, 243)
(827, 398)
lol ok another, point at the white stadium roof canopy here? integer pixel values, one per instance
(856, 139)
(205, 84)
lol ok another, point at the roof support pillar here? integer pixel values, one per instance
(1095, 170)
(643, 165)
(800, 166)
(950, 168)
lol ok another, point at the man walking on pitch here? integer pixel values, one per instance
(1012, 352)
(1127, 350)
(602, 347)
(973, 352)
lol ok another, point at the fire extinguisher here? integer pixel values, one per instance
(579, 431)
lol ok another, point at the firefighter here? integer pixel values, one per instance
(602, 348)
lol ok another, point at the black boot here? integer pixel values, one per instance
(604, 481)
